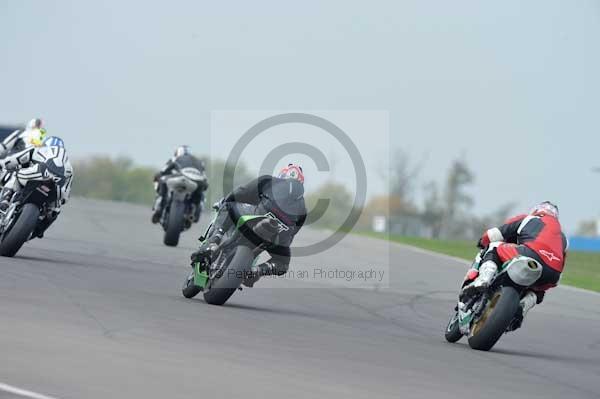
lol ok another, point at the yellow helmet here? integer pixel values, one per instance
(36, 137)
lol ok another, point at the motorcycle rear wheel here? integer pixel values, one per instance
(497, 316)
(174, 224)
(230, 278)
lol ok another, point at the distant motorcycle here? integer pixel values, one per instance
(30, 210)
(485, 316)
(178, 213)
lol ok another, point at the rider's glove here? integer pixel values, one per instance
(217, 205)
(9, 164)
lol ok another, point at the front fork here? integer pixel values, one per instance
(465, 317)
(465, 309)
(200, 275)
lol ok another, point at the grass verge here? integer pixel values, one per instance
(582, 269)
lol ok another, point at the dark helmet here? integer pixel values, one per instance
(182, 150)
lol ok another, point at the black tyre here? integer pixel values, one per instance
(174, 224)
(453, 333)
(219, 290)
(21, 230)
(500, 311)
(189, 289)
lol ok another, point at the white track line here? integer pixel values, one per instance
(23, 392)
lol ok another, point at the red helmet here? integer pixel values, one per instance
(292, 171)
(545, 208)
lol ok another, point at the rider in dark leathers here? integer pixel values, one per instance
(283, 196)
(183, 158)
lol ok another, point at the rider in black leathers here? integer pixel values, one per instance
(183, 158)
(283, 196)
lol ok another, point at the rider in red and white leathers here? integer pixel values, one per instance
(537, 235)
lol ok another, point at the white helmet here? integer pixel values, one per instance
(545, 208)
(34, 124)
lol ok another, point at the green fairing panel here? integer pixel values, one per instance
(200, 277)
(246, 218)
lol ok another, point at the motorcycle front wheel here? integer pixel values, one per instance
(189, 289)
(20, 232)
(453, 333)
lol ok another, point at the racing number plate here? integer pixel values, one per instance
(281, 226)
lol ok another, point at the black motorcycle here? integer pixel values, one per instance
(178, 213)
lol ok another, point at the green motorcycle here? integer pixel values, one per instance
(220, 277)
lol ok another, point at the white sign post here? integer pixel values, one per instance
(379, 224)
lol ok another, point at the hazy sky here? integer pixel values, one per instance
(513, 86)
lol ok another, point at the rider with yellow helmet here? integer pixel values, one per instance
(32, 136)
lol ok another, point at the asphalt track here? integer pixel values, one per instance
(95, 311)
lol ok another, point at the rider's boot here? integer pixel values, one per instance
(256, 272)
(526, 304)
(5, 198)
(197, 212)
(487, 271)
(157, 209)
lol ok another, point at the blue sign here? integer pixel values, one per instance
(588, 244)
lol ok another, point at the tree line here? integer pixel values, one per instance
(119, 179)
(443, 211)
